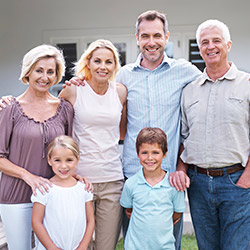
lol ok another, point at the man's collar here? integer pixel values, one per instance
(229, 75)
(165, 60)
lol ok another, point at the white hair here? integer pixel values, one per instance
(213, 23)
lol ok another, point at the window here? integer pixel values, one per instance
(194, 55)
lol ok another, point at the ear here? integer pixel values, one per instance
(165, 155)
(49, 161)
(137, 39)
(167, 37)
(229, 45)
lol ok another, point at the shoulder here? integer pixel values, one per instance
(11, 110)
(122, 91)
(69, 94)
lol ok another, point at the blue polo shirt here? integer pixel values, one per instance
(151, 223)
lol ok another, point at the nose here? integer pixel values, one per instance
(210, 45)
(44, 76)
(151, 41)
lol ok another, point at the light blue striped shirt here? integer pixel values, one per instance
(154, 101)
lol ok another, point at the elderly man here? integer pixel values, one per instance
(215, 131)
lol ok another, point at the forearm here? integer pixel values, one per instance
(181, 166)
(90, 225)
(244, 180)
(8, 168)
(176, 217)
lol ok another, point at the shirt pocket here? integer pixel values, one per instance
(236, 109)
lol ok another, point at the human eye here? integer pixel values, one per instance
(144, 36)
(69, 159)
(204, 42)
(97, 60)
(109, 62)
(158, 35)
(38, 70)
(51, 72)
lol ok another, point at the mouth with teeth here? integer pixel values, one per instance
(151, 50)
(102, 73)
(213, 53)
(63, 172)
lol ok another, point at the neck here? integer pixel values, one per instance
(69, 182)
(216, 71)
(154, 177)
(151, 65)
(35, 96)
(99, 87)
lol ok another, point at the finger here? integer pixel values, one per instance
(187, 182)
(34, 191)
(67, 83)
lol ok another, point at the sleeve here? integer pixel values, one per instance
(184, 124)
(88, 196)
(179, 202)
(126, 197)
(6, 125)
(69, 114)
(40, 198)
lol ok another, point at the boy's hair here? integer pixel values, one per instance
(150, 136)
(65, 142)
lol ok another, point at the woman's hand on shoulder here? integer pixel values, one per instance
(77, 81)
(37, 182)
(5, 100)
(88, 185)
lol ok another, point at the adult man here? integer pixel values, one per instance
(154, 83)
(215, 129)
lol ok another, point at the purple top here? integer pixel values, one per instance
(24, 142)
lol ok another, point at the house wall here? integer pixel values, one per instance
(26, 23)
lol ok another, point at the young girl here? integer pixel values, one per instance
(63, 218)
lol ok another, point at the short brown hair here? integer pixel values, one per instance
(150, 136)
(151, 15)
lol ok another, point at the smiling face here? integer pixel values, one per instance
(43, 74)
(63, 163)
(101, 64)
(151, 156)
(152, 40)
(213, 48)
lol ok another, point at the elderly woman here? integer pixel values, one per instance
(100, 110)
(27, 126)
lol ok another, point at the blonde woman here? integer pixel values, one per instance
(27, 126)
(100, 113)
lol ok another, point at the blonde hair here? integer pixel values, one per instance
(81, 67)
(65, 142)
(38, 53)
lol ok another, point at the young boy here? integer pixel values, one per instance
(155, 205)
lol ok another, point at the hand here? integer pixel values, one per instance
(5, 99)
(128, 212)
(75, 81)
(179, 180)
(35, 182)
(88, 185)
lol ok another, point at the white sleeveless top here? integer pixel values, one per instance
(96, 129)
